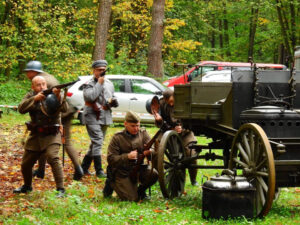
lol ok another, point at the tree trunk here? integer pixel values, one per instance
(252, 30)
(155, 62)
(101, 33)
(221, 33)
(213, 34)
(226, 35)
(293, 25)
(283, 28)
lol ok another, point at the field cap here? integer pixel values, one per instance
(132, 117)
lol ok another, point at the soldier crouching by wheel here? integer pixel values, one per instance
(165, 114)
(122, 157)
(45, 137)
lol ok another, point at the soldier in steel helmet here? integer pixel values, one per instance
(98, 95)
(122, 155)
(166, 114)
(45, 136)
(34, 68)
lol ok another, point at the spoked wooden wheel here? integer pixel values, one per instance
(171, 171)
(251, 151)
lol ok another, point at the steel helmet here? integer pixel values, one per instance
(34, 66)
(152, 105)
(50, 105)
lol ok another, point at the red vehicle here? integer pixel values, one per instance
(205, 66)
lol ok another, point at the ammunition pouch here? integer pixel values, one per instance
(44, 130)
(96, 108)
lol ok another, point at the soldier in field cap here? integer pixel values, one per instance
(123, 152)
(99, 98)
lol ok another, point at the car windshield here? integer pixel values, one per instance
(143, 87)
(200, 70)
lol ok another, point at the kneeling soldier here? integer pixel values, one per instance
(45, 137)
(122, 156)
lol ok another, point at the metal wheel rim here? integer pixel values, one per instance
(171, 175)
(251, 150)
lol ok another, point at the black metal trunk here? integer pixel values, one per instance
(226, 197)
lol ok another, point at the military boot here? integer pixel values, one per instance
(40, 173)
(86, 163)
(60, 192)
(23, 189)
(142, 193)
(98, 167)
(108, 190)
(193, 176)
(78, 173)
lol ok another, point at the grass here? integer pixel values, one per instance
(84, 203)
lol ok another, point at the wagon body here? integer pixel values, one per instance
(254, 120)
(215, 109)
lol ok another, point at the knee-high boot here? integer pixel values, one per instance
(86, 163)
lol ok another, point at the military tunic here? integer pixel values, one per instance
(96, 128)
(39, 144)
(122, 143)
(66, 118)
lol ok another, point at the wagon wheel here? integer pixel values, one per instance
(251, 151)
(171, 171)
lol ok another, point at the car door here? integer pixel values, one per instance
(120, 94)
(141, 91)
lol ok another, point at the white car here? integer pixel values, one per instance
(131, 91)
(217, 76)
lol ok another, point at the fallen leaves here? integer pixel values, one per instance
(11, 151)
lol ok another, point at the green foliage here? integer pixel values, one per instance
(61, 34)
(11, 93)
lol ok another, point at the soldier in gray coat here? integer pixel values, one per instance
(98, 96)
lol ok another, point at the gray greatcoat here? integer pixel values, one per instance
(94, 91)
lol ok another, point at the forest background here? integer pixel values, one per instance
(61, 34)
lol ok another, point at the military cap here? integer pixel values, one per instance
(132, 117)
(99, 63)
(168, 93)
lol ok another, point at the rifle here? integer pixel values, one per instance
(60, 86)
(133, 175)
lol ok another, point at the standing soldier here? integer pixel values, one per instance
(98, 96)
(45, 137)
(122, 155)
(34, 68)
(188, 138)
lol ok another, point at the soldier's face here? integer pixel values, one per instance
(39, 85)
(31, 74)
(97, 71)
(170, 101)
(132, 128)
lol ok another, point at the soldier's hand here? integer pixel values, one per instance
(56, 92)
(132, 155)
(101, 80)
(157, 117)
(178, 129)
(39, 97)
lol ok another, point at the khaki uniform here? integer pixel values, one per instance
(187, 136)
(121, 144)
(66, 122)
(39, 143)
